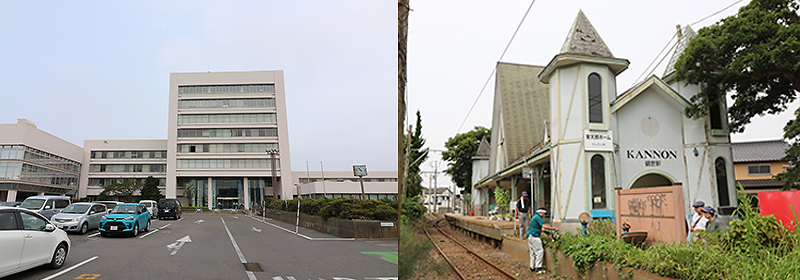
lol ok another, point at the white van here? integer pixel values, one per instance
(152, 206)
(46, 205)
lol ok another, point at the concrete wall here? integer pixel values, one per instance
(343, 228)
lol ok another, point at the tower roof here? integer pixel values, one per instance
(684, 36)
(584, 40)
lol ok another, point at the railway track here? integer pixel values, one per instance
(466, 263)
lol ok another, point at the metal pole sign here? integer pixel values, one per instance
(360, 171)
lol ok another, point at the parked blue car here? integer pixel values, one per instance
(126, 218)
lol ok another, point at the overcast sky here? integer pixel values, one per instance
(99, 70)
(453, 46)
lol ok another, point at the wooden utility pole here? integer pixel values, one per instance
(402, 42)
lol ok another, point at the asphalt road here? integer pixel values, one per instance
(216, 246)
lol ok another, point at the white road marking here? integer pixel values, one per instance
(256, 229)
(70, 268)
(290, 278)
(153, 231)
(301, 235)
(250, 274)
(181, 219)
(235, 217)
(277, 278)
(198, 222)
(174, 247)
(381, 278)
(93, 235)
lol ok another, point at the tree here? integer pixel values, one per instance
(189, 192)
(150, 190)
(417, 155)
(756, 56)
(460, 150)
(124, 187)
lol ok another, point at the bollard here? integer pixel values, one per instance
(297, 224)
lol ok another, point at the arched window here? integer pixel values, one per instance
(598, 182)
(595, 99)
(722, 182)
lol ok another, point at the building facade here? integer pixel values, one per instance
(34, 162)
(221, 126)
(567, 123)
(756, 162)
(343, 184)
(108, 160)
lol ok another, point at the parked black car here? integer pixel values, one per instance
(169, 207)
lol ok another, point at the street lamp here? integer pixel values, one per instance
(275, 190)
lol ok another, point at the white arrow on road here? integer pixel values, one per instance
(198, 222)
(256, 229)
(174, 247)
(235, 217)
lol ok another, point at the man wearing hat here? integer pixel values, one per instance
(698, 221)
(523, 213)
(713, 226)
(535, 248)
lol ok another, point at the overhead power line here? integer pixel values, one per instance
(495, 68)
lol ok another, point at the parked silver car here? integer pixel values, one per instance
(80, 217)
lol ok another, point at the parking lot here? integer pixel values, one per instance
(223, 246)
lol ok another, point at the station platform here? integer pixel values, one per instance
(481, 228)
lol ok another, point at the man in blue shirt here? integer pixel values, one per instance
(535, 248)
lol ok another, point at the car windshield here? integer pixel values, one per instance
(124, 209)
(32, 204)
(76, 208)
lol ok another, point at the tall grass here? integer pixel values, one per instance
(753, 247)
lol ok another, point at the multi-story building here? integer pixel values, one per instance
(224, 129)
(342, 184)
(34, 162)
(108, 160)
(221, 126)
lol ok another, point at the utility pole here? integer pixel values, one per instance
(402, 42)
(275, 188)
(321, 169)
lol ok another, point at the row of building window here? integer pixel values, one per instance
(38, 156)
(226, 148)
(758, 170)
(226, 163)
(24, 187)
(108, 181)
(34, 173)
(228, 118)
(306, 180)
(228, 132)
(144, 168)
(226, 89)
(129, 154)
(227, 103)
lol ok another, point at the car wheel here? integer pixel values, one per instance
(84, 228)
(103, 234)
(135, 229)
(147, 226)
(160, 218)
(59, 256)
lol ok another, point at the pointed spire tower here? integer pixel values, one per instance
(582, 82)
(684, 36)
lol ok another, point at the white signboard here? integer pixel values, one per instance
(387, 224)
(597, 141)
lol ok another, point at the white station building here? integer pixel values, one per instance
(582, 139)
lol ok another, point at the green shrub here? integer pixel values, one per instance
(340, 208)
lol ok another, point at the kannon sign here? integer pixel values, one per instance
(652, 157)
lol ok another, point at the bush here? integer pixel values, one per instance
(340, 208)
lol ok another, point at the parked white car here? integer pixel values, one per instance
(152, 207)
(29, 240)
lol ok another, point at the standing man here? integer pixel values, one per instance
(698, 221)
(523, 213)
(535, 248)
(713, 226)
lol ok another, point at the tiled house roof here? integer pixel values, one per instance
(759, 151)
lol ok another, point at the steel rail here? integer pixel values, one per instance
(487, 262)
